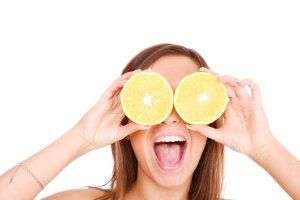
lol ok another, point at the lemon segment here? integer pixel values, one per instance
(200, 98)
(147, 98)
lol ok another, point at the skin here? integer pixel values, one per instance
(151, 180)
(245, 130)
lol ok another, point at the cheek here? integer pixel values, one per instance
(138, 142)
(197, 147)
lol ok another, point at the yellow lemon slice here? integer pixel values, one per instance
(200, 98)
(147, 98)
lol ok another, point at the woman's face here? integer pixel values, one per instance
(169, 164)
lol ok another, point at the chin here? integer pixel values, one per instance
(168, 155)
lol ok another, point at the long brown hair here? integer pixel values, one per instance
(208, 176)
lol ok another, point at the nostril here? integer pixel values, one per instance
(171, 122)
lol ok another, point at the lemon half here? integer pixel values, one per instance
(200, 98)
(147, 98)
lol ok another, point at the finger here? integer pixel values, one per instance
(131, 128)
(129, 74)
(115, 111)
(241, 92)
(233, 99)
(229, 112)
(117, 114)
(119, 83)
(115, 89)
(228, 79)
(255, 89)
(204, 69)
(238, 88)
(207, 131)
(105, 101)
(117, 107)
(231, 115)
(230, 91)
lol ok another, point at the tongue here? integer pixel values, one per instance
(168, 153)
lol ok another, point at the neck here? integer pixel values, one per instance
(147, 189)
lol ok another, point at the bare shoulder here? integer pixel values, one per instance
(85, 193)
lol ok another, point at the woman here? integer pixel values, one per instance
(136, 173)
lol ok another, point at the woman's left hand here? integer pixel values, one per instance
(245, 126)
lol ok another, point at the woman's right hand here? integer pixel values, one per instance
(98, 127)
(101, 125)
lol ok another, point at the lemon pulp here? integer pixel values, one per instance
(200, 98)
(147, 98)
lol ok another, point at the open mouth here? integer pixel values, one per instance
(170, 151)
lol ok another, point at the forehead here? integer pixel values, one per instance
(174, 67)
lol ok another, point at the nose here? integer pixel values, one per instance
(173, 118)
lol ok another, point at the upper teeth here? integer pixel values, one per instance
(170, 138)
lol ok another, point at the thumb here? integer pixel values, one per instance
(131, 128)
(207, 131)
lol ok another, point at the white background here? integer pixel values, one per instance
(57, 57)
